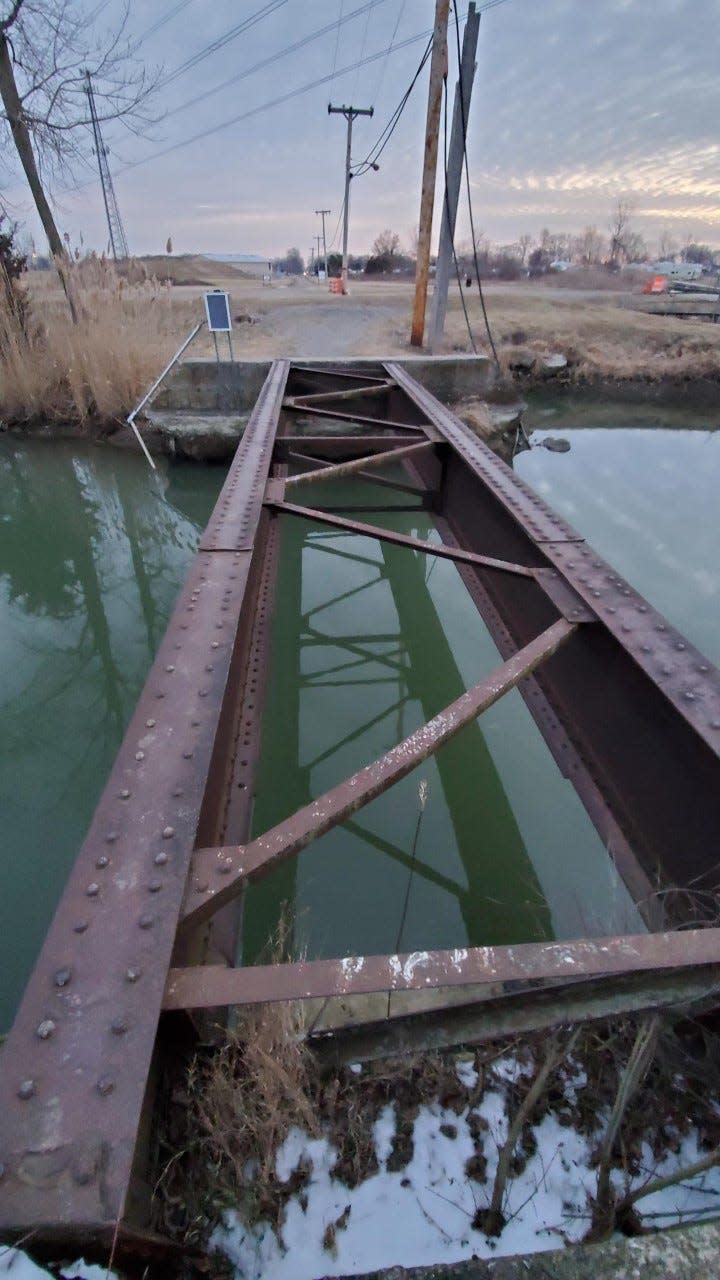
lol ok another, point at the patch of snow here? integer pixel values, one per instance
(384, 1133)
(510, 1069)
(17, 1266)
(466, 1073)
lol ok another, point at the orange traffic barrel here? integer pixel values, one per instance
(336, 285)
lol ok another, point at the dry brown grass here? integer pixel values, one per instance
(56, 371)
(602, 335)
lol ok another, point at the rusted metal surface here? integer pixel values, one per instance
(630, 710)
(76, 1063)
(530, 1008)
(215, 986)
(357, 465)
(233, 522)
(218, 874)
(629, 681)
(322, 516)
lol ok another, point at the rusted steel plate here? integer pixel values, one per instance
(680, 671)
(218, 875)
(322, 516)
(215, 986)
(544, 524)
(75, 1065)
(232, 525)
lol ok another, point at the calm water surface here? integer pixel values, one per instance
(93, 552)
(369, 641)
(648, 500)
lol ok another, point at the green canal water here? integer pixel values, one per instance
(485, 843)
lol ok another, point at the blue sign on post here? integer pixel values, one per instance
(217, 310)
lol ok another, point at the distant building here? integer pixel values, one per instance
(678, 270)
(251, 263)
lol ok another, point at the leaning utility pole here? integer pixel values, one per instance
(456, 154)
(118, 243)
(438, 69)
(322, 213)
(350, 114)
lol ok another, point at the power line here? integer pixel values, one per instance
(362, 52)
(383, 68)
(488, 330)
(337, 34)
(377, 149)
(167, 17)
(266, 106)
(221, 41)
(274, 57)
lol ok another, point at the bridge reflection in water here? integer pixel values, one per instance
(368, 644)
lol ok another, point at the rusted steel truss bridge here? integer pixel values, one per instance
(145, 936)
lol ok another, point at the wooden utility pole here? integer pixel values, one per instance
(456, 153)
(438, 69)
(323, 213)
(350, 113)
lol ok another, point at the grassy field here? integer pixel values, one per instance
(131, 325)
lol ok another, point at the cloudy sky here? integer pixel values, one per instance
(576, 102)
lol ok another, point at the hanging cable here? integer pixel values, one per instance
(379, 146)
(488, 330)
(337, 36)
(451, 231)
(223, 40)
(383, 68)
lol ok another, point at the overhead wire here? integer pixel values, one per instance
(161, 22)
(215, 45)
(337, 35)
(362, 52)
(486, 318)
(274, 57)
(446, 212)
(379, 146)
(266, 106)
(383, 67)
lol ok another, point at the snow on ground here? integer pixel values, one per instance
(17, 1266)
(423, 1214)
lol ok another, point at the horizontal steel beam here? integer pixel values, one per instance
(215, 986)
(340, 446)
(350, 393)
(390, 424)
(218, 875)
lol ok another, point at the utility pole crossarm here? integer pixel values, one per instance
(350, 114)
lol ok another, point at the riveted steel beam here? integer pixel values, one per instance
(215, 986)
(77, 1060)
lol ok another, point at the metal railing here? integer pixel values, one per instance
(131, 417)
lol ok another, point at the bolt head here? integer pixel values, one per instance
(155, 886)
(150, 724)
(105, 1085)
(80, 926)
(118, 1026)
(139, 755)
(133, 975)
(26, 1090)
(92, 890)
(160, 859)
(102, 862)
(124, 794)
(146, 921)
(168, 833)
(62, 977)
(45, 1029)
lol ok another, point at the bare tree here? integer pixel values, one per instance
(386, 245)
(524, 243)
(589, 246)
(47, 47)
(620, 230)
(667, 246)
